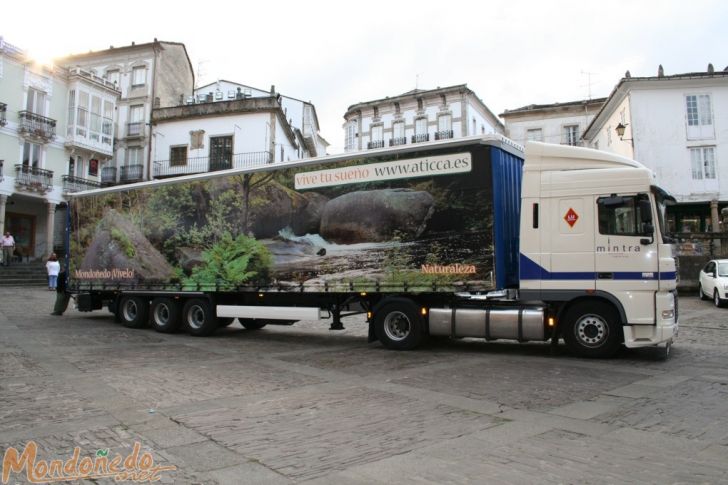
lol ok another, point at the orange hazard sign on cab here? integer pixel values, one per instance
(571, 217)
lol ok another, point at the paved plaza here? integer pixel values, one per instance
(304, 404)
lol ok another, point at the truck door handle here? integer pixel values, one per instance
(605, 276)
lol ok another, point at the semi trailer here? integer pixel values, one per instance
(474, 237)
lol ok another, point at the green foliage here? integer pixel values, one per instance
(232, 262)
(124, 243)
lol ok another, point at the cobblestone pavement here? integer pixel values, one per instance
(303, 404)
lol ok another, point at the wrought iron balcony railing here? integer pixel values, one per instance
(443, 135)
(171, 168)
(77, 184)
(3, 110)
(420, 138)
(36, 125)
(108, 175)
(375, 144)
(33, 178)
(393, 142)
(131, 173)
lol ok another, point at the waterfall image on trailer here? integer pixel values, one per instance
(417, 224)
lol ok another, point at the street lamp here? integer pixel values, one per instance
(620, 131)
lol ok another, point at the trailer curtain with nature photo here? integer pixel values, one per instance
(374, 224)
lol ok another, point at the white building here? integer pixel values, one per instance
(561, 123)
(677, 125)
(300, 115)
(418, 116)
(55, 132)
(228, 133)
(150, 75)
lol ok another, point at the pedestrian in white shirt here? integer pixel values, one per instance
(53, 267)
(8, 248)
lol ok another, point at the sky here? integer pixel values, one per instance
(336, 54)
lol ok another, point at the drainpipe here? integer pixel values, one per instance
(154, 91)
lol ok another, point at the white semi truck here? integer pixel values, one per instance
(458, 238)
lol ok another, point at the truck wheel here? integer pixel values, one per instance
(224, 321)
(165, 315)
(198, 317)
(592, 330)
(133, 312)
(398, 324)
(252, 323)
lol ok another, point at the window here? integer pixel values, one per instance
(351, 129)
(571, 135)
(621, 215)
(699, 115)
(702, 161)
(178, 156)
(221, 152)
(93, 167)
(136, 120)
(444, 123)
(95, 117)
(112, 75)
(699, 110)
(398, 129)
(107, 127)
(31, 155)
(420, 126)
(71, 110)
(36, 101)
(377, 132)
(138, 76)
(534, 134)
(134, 156)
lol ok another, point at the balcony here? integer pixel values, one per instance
(77, 184)
(443, 135)
(3, 110)
(173, 168)
(33, 179)
(108, 176)
(375, 144)
(89, 130)
(393, 142)
(135, 130)
(36, 126)
(420, 138)
(131, 173)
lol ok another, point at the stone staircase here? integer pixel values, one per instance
(24, 274)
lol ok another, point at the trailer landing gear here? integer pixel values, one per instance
(336, 323)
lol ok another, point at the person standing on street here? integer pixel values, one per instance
(8, 248)
(62, 296)
(53, 267)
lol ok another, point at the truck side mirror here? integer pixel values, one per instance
(648, 230)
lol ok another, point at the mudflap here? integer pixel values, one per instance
(372, 336)
(88, 302)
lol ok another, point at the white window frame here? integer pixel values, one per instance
(137, 158)
(136, 77)
(444, 122)
(36, 102)
(114, 76)
(702, 163)
(699, 116)
(570, 134)
(398, 129)
(351, 131)
(30, 149)
(377, 132)
(531, 132)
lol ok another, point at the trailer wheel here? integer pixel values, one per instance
(199, 318)
(165, 315)
(252, 323)
(224, 321)
(398, 324)
(133, 312)
(592, 330)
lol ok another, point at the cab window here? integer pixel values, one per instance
(621, 215)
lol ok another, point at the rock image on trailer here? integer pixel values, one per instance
(411, 224)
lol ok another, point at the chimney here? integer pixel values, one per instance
(711, 69)
(272, 88)
(627, 74)
(660, 71)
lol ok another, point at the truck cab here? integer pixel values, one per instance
(593, 245)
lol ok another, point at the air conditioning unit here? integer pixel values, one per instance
(190, 100)
(218, 95)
